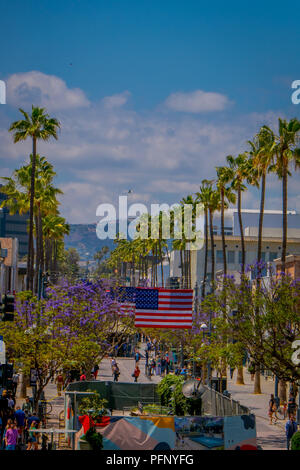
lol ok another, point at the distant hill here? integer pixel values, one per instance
(83, 237)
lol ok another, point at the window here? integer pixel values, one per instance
(240, 257)
(219, 256)
(230, 257)
(273, 255)
(263, 256)
(228, 230)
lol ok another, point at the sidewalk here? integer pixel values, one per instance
(269, 437)
(126, 366)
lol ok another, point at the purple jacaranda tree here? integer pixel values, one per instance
(75, 327)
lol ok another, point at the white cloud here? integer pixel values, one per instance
(117, 100)
(24, 89)
(197, 101)
(102, 151)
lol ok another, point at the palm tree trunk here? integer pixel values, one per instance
(190, 270)
(30, 261)
(206, 251)
(240, 375)
(41, 240)
(261, 219)
(257, 387)
(241, 229)
(223, 232)
(181, 264)
(161, 264)
(212, 244)
(284, 218)
(37, 255)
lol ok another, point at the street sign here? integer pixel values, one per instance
(2, 351)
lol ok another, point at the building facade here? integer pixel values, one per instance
(14, 226)
(271, 243)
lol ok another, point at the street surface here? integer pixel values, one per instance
(270, 437)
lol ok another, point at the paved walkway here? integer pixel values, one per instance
(126, 366)
(268, 436)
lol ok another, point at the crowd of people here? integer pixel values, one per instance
(17, 425)
(289, 411)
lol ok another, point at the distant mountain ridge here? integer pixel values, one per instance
(83, 237)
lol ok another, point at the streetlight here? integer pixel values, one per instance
(204, 328)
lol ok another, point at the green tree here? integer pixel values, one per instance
(37, 126)
(286, 152)
(225, 176)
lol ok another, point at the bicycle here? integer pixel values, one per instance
(281, 413)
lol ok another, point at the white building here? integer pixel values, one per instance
(271, 243)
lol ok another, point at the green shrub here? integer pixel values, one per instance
(95, 403)
(295, 441)
(94, 438)
(170, 392)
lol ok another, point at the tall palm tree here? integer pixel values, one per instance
(244, 172)
(18, 189)
(225, 176)
(37, 126)
(286, 152)
(213, 206)
(262, 155)
(54, 230)
(203, 197)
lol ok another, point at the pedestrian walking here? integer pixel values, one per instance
(153, 366)
(27, 406)
(137, 357)
(20, 417)
(290, 429)
(33, 437)
(59, 383)
(15, 381)
(291, 405)
(116, 372)
(11, 402)
(147, 357)
(11, 436)
(82, 377)
(136, 373)
(95, 371)
(272, 409)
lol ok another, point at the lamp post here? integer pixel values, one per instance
(207, 330)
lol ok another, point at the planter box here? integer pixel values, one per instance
(84, 445)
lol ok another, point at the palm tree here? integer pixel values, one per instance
(213, 206)
(54, 230)
(37, 126)
(286, 152)
(225, 176)
(18, 189)
(203, 196)
(262, 154)
(244, 171)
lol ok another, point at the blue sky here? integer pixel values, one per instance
(158, 93)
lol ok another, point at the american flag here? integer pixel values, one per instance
(163, 308)
(126, 298)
